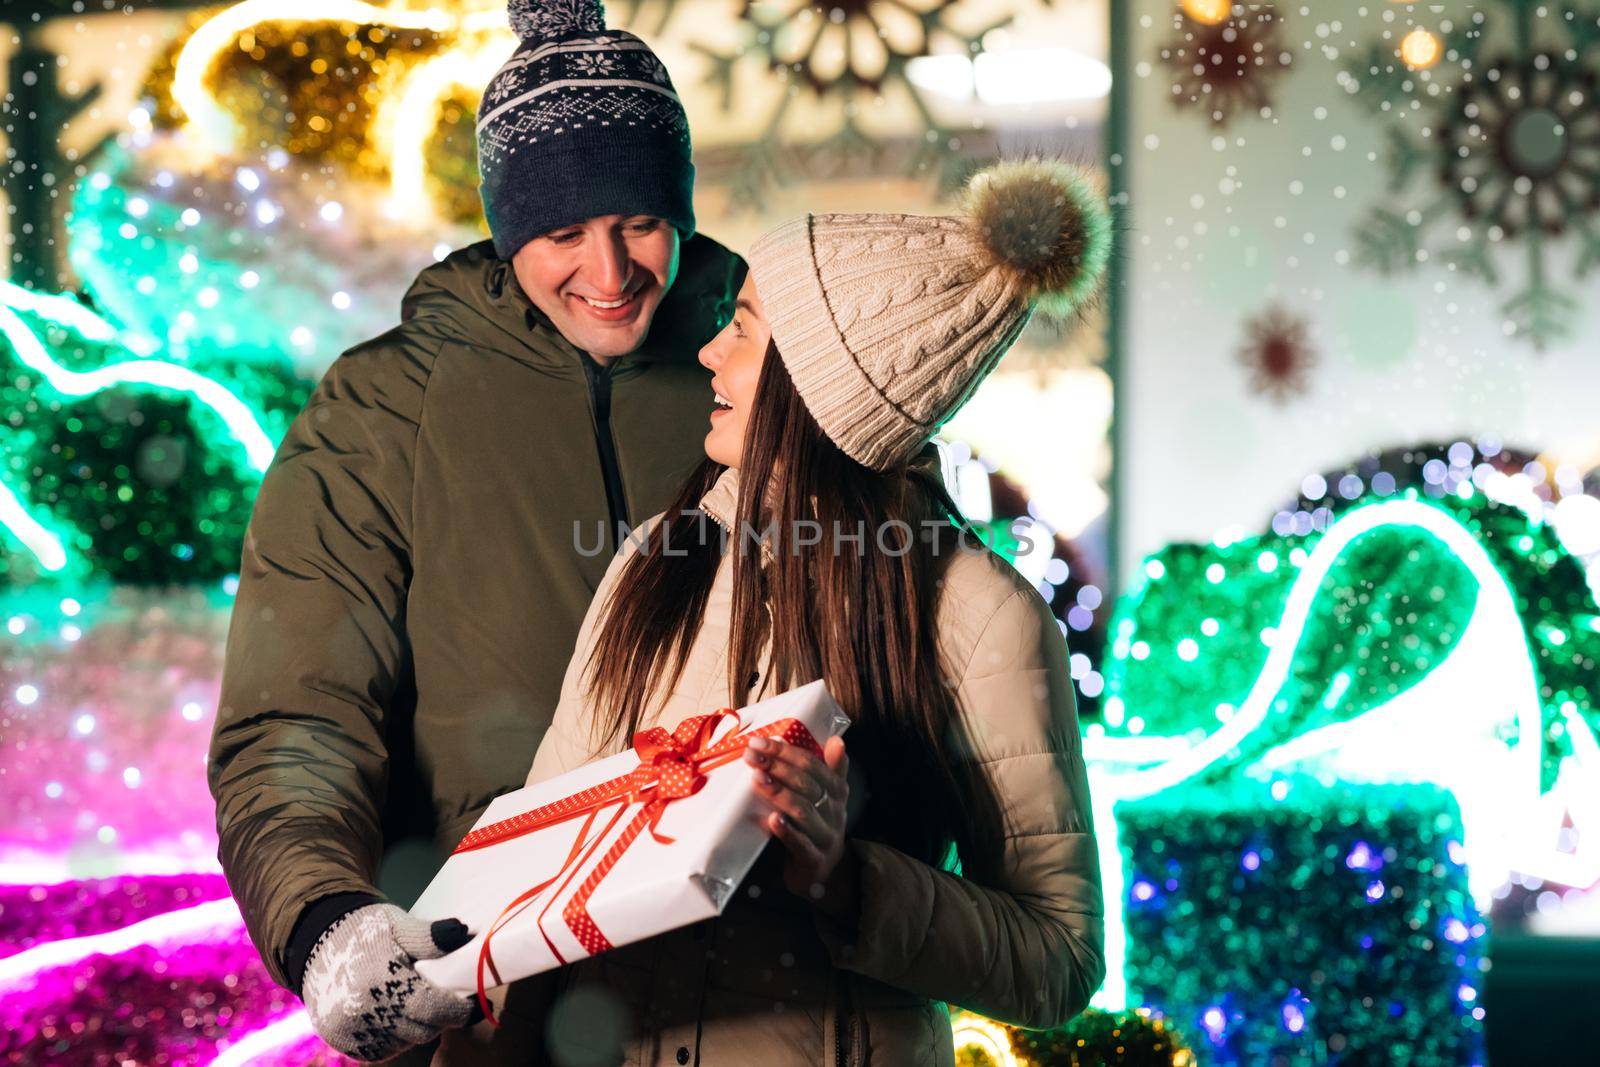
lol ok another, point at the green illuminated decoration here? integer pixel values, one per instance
(121, 465)
(1414, 645)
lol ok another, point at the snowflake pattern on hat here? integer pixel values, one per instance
(555, 119)
(593, 63)
(548, 88)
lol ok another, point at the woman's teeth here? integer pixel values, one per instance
(722, 400)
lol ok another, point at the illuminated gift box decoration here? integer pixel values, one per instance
(1406, 670)
(1336, 923)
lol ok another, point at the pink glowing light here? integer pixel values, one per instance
(270, 1038)
(29, 868)
(213, 918)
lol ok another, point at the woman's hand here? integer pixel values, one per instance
(810, 797)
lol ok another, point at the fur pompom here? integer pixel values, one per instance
(1043, 222)
(544, 20)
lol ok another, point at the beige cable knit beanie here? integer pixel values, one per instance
(888, 323)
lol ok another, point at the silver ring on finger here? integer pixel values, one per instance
(816, 804)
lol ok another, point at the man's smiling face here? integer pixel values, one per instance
(600, 281)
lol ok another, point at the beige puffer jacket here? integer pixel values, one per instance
(771, 982)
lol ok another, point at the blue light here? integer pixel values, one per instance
(1363, 858)
(1251, 860)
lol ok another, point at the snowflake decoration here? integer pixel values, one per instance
(843, 50)
(1227, 66)
(1278, 354)
(1522, 144)
(1513, 140)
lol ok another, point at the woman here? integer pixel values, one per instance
(856, 336)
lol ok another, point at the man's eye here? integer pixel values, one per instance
(643, 226)
(567, 238)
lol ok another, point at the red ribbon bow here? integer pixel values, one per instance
(671, 766)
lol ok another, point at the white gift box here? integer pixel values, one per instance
(646, 887)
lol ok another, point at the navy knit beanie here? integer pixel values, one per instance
(581, 121)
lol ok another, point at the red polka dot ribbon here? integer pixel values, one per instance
(671, 766)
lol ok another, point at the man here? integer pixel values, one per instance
(422, 549)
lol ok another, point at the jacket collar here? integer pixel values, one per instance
(473, 291)
(721, 503)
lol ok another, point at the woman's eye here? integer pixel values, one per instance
(738, 327)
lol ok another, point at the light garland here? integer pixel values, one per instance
(242, 424)
(187, 924)
(271, 1038)
(403, 121)
(984, 1036)
(208, 118)
(50, 541)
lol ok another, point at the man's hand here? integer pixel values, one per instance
(363, 994)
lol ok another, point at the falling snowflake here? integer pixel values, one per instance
(1512, 140)
(1278, 354)
(1226, 66)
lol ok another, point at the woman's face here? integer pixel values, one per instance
(734, 358)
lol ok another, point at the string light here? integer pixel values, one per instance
(986, 1037)
(1420, 49)
(211, 918)
(407, 113)
(254, 1047)
(242, 424)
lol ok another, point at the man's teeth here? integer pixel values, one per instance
(605, 303)
(722, 400)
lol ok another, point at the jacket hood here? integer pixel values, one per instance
(473, 295)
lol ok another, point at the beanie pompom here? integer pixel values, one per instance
(1044, 223)
(544, 20)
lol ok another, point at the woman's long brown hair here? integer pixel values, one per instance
(857, 616)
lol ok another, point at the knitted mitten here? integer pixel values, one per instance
(361, 991)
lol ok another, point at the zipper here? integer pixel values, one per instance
(599, 380)
(844, 1024)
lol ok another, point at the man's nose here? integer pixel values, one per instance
(610, 266)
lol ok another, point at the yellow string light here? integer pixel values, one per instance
(985, 1036)
(1420, 49)
(1209, 12)
(404, 116)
